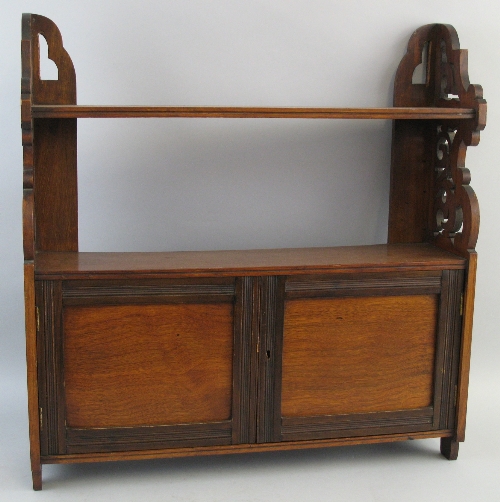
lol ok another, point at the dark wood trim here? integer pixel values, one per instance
(244, 363)
(241, 448)
(203, 290)
(449, 329)
(51, 367)
(271, 304)
(421, 283)
(449, 448)
(140, 438)
(356, 424)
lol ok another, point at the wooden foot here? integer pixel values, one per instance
(37, 479)
(449, 448)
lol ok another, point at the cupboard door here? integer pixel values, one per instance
(139, 364)
(364, 355)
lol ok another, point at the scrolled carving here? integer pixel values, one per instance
(456, 210)
(434, 72)
(446, 80)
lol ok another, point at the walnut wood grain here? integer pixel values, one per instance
(253, 262)
(131, 365)
(408, 113)
(358, 355)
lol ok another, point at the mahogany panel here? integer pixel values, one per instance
(358, 355)
(130, 365)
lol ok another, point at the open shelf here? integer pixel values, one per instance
(84, 111)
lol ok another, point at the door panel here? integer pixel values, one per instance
(130, 365)
(358, 355)
(145, 363)
(364, 354)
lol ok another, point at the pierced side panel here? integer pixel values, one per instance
(455, 215)
(50, 214)
(436, 201)
(57, 92)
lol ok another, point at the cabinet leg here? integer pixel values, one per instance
(37, 479)
(449, 448)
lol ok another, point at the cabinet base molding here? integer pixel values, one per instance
(240, 448)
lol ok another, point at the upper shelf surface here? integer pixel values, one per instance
(84, 111)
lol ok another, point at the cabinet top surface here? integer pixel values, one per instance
(380, 257)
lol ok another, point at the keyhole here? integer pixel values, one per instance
(48, 69)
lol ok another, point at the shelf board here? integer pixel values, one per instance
(83, 111)
(374, 258)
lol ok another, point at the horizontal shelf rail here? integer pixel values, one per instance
(84, 111)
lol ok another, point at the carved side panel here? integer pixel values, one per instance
(430, 194)
(456, 209)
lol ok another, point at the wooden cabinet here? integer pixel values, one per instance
(147, 355)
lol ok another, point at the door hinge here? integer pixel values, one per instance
(462, 304)
(37, 311)
(41, 418)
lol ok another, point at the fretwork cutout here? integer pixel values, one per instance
(420, 73)
(48, 69)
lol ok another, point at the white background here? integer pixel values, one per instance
(146, 184)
